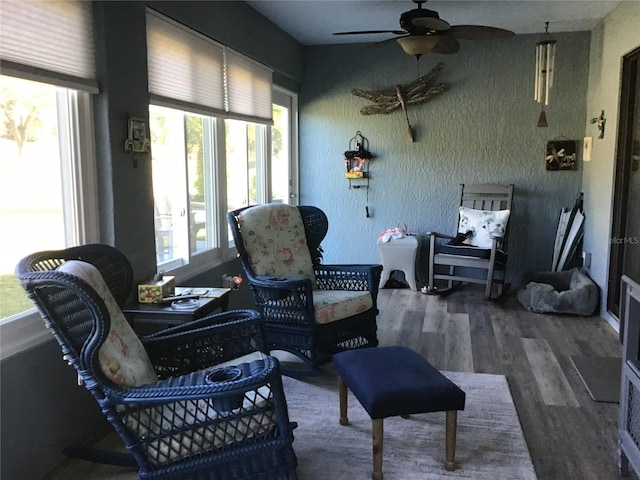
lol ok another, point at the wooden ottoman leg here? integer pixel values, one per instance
(378, 434)
(344, 419)
(450, 440)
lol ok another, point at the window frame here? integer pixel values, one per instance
(199, 262)
(226, 251)
(26, 329)
(289, 99)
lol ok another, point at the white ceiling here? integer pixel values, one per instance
(312, 22)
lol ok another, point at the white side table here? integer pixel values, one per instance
(399, 254)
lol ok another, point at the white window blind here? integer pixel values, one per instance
(49, 41)
(185, 68)
(248, 88)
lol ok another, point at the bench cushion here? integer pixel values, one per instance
(389, 381)
(469, 251)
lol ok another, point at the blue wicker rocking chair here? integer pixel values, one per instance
(209, 405)
(310, 310)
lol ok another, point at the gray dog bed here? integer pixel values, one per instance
(570, 291)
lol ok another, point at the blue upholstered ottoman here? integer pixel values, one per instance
(390, 381)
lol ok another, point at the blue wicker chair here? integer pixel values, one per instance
(199, 401)
(310, 310)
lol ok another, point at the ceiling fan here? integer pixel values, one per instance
(424, 31)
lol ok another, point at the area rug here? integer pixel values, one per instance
(490, 442)
(600, 375)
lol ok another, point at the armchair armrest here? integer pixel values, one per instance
(290, 283)
(197, 385)
(498, 243)
(440, 235)
(205, 342)
(294, 291)
(284, 302)
(172, 420)
(349, 277)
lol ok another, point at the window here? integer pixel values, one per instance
(45, 190)
(184, 163)
(47, 174)
(229, 97)
(283, 167)
(246, 160)
(212, 121)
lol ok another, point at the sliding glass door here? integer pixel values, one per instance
(625, 238)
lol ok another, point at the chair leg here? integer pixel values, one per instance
(490, 271)
(432, 252)
(489, 285)
(452, 271)
(344, 419)
(384, 277)
(488, 289)
(378, 434)
(450, 440)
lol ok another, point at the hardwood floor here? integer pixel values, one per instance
(570, 436)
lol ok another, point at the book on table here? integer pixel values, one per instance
(204, 292)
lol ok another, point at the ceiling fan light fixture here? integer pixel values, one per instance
(417, 45)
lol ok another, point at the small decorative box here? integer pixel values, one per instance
(153, 290)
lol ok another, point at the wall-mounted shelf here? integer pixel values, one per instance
(359, 182)
(356, 161)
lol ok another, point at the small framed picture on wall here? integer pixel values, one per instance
(560, 155)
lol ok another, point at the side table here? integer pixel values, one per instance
(399, 254)
(150, 317)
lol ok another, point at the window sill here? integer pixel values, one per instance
(197, 266)
(21, 332)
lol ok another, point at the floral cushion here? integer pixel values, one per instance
(332, 305)
(484, 225)
(274, 237)
(122, 356)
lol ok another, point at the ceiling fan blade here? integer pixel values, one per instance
(479, 32)
(430, 23)
(364, 32)
(384, 42)
(447, 45)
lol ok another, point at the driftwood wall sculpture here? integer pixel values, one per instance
(414, 93)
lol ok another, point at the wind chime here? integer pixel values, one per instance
(545, 59)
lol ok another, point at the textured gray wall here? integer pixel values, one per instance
(482, 129)
(43, 411)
